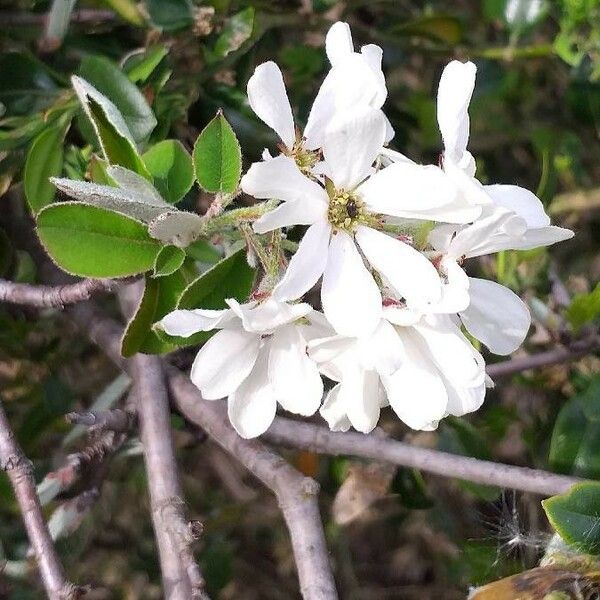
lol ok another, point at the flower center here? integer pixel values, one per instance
(346, 210)
(305, 159)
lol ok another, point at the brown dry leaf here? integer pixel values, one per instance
(364, 485)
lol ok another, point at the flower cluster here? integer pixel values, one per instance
(387, 238)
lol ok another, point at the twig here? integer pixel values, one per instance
(84, 16)
(20, 472)
(115, 419)
(47, 296)
(172, 531)
(297, 495)
(563, 354)
(307, 436)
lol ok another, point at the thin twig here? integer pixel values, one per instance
(47, 296)
(115, 419)
(20, 472)
(561, 354)
(86, 16)
(307, 436)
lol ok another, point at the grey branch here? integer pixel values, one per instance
(116, 419)
(153, 414)
(47, 296)
(296, 494)
(181, 575)
(20, 472)
(562, 354)
(295, 434)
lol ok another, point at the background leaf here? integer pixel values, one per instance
(110, 81)
(170, 15)
(171, 166)
(168, 260)
(44, 160)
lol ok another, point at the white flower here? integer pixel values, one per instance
(494, 314)
(355, 81)
(346, 212)
(257, 359)
(425, 371)
(454, 94)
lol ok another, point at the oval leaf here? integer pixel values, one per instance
(94, 242)
(172, 168)
(217, 157)
(576, 516)
(169, 259)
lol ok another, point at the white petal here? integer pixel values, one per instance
(416, 391)
(373, 55)
(452, 352)
(294, 377)
(544, 236)
(350, 297)
(333, 354)
(338, 43)
(224, 362)
(184, 323)
(405, 189)
(393, 156)
(316, 326)
(402, 316)
(461, 174)
(361, 394)
(334, 411)
(408, 271)
(496, 316)
(296, 212)
(266, 316)
(521, 201)
(454, 94)
(351, 86)
(251, 408)
(383, 351)
(280, 178)
(307, 264)
(441, 236)
(268, 99)
(352, 143)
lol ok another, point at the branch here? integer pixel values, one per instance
(83, 16)
(115, 419)
(181, 575)
(295, 434)
(563, 354)
(47, 296)
(20, 472)
(297, 495)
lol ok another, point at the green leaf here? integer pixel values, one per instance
(411, 489)
(217, 157)
(575, 516)
(460, 437)
(172, 168)
(139, 67)
(44, 160)
(168, 260)
(575, 442)
(204, 252)
(160, 297)
(584, 308)
(111, 82)
(127, 10)
(94, 242)
(229, 278)
(236, 31)
(170, 15)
